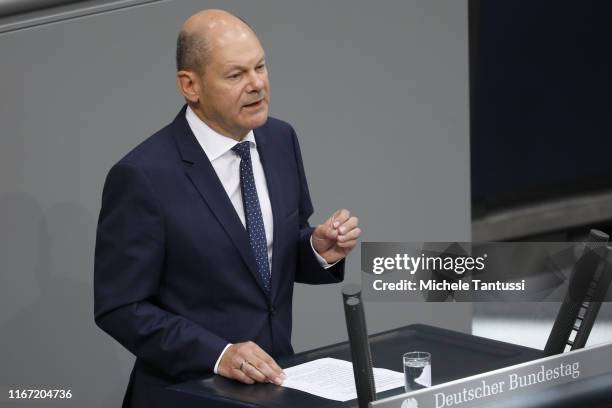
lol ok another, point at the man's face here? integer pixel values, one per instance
(234, 93)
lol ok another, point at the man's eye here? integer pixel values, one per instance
(260, 67)
(234, 76)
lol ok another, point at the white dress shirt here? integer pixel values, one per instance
(218, 149)
(226, 163)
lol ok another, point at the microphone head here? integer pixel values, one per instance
(351, 290)
(598, 236)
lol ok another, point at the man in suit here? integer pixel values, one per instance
(204, 226)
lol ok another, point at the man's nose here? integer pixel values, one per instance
(256, 82)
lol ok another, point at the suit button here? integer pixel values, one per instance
(272, 311)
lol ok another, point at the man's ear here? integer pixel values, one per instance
(189, 85)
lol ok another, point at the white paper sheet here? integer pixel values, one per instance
(333, 379)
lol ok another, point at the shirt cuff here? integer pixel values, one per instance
(219, 359)
(324, 264)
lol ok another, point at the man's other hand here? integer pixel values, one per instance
(337, 236)
(248, 363)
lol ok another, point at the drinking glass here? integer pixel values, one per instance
(417, 370)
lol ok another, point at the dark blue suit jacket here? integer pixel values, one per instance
(175, 277)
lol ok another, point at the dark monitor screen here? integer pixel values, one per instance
(541, 89)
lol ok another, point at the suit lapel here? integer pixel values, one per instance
(264, 148)
(203, 176)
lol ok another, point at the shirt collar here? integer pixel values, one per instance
(213, 143)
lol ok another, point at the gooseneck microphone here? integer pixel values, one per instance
(572, 312)
(595, 295)
(360, 345)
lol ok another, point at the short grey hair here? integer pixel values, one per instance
(192, 52)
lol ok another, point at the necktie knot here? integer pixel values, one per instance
(242, 149)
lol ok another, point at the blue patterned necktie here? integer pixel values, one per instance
(252, 211)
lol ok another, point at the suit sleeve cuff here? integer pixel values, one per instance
(220, 357)
(324, 264)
